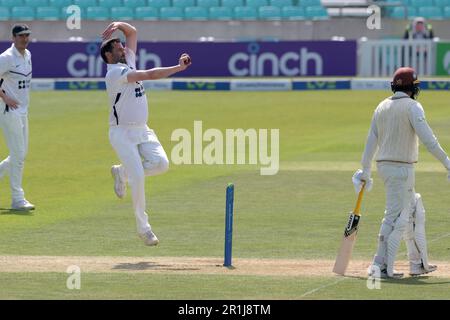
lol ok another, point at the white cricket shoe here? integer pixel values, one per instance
(22, 205)
(149, 238)
(419, 269)
(120, 185)
(376, 272)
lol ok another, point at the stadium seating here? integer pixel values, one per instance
(47, 13)
(232, 3)
(310, 3)
(430, 13)
(399, 13)
(245, 13)
(109, 3)
(442, 3)
(196, 13)
(85, 3)
(134, 3)
(59, 3)
(421, 3)
(158, 3)
(183, 3)
(447, 12)
(281, 3)
(36, 3)
(316, 13)
(208, 3)
(269, 13)
(146, 13)
(171, 13)
(122, 13)
(220, 13)
(97, 13)
(22, 13)
(293, 13)
(11, 3)
(4, 14)
(256, 3)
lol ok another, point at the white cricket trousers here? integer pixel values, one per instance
(15, 131)
(399, 181)
(141, 154)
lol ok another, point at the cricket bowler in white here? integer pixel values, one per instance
(136, 145)
(397, 125)
(15, 79)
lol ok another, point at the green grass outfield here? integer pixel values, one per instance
(298, 214)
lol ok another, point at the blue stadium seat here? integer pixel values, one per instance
(59, 3)
(134, 3)
(122, 13)
(442, 3)
(316, 13)
(245, 13)
(434, 13)
(158, 3)
(183, 3)
(232, 3)
(196, 13)
(97, 13)
(4, 14)
(109, 3)
(281, 3)
(171, 13)
(85, 3)
(399, 13)
(293, 13)
(220, 13)
(208, 3)
(11, 3)
(256, 3)
(269, 13)
(36, 3)
(447, 12)
(22, 13)
(310, 3)
(47, 13)
(146, 13)
(421, 3)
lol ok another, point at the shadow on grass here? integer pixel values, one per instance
(413, 281)
(151, 266)
(9, 211)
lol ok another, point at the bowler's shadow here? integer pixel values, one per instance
(144, 265)
(410, 281)
(9, 211)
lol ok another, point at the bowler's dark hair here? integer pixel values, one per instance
(107, 47)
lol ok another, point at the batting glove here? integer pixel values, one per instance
(358, 179)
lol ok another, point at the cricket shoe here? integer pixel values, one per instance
(375, 272)
(418, 269)
(120, 185)
(22, 205)
(149, 238)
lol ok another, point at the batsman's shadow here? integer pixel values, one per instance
(148, 265)
(9, 211)
(411, 281)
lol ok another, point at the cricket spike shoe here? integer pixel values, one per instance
(22, 205)
(120, 185)
(149, 238)
(418, 269)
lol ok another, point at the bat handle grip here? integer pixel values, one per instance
(360, 196)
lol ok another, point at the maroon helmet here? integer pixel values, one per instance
(405, 80)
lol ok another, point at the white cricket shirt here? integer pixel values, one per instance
(127, 99)
(15, 70)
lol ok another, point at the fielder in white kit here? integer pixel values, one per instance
(136, 145)
(15, 78)
(397, 125)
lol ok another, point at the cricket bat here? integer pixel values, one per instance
(345, 252)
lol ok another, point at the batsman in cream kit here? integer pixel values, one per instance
(136, 145)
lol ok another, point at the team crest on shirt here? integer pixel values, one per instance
(139, 90)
